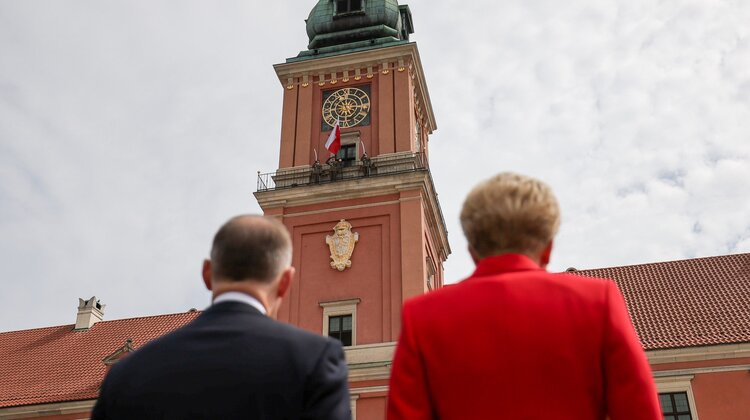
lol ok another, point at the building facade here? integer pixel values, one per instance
(366, 224)
(368, 233)
(693, 319)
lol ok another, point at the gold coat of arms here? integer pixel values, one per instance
(341, 244)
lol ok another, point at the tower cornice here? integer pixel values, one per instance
(353, 189)
(361, 65)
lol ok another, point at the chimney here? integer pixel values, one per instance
(89, 313)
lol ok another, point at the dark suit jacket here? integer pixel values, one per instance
(516, 342)
(232, 362)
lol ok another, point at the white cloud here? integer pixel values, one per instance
(129, 130)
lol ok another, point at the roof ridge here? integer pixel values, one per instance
(712, 257)
(103, 322)
(150, 316)
(38, 328)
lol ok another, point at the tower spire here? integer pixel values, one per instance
(342, 26)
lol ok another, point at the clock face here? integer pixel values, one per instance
(350, 106)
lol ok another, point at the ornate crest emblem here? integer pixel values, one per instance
(341, 244)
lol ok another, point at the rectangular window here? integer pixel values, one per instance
(340, 327)
(348, 6)
(675, 406)
(340, 320)
(347, 154)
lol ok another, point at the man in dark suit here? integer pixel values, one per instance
(514, 341)
(234, 360)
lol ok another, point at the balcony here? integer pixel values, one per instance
(389, 164)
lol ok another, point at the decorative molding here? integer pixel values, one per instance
(370, 373)
(53, 409)
(370, 362)
(703, 353)
(698, 371)
(369, 390)
(431, 270)
(341, 244)
(373, 61)
(339, 303)
(369, 353)
(366, 187)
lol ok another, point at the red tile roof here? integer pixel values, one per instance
(704, 301)
(58, 364)
(697, 302)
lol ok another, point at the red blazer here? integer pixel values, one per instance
(516, 342)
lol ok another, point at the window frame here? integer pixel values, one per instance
(678, 384)
(341, 308)
(347, 162)
(675, 414)
(353, 404)
(349, 10)
(349, 139)
(340, 326)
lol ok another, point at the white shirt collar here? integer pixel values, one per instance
(241, 297)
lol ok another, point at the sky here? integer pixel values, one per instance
(130, 130)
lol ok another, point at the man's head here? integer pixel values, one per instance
(511, 213)
(251, 254)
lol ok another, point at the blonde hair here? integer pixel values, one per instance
(510, 213)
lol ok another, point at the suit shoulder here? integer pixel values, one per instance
(472, 286)
(584, 281)
(441, 295)
(599, 284)
(299, 333)
(302, 340)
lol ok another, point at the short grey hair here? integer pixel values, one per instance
(510, 213)
(251, 247)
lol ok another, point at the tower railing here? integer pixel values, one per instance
(392, 163)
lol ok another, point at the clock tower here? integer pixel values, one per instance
(366, 225)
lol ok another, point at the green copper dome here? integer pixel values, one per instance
(338, 26)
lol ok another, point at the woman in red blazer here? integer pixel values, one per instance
(514, 341)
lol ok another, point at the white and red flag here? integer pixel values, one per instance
(334, 140)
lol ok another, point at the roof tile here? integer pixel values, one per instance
(696, 302)
(703, 301)
(59, 364)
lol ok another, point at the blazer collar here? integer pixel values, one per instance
(505, 263)
(242, 298)
(232, 306)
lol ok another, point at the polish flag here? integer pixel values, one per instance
(334, 140)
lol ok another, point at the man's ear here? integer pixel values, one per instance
(285, 282)
(207, 279)
(546, 254)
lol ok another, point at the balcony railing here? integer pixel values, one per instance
(380, 165)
